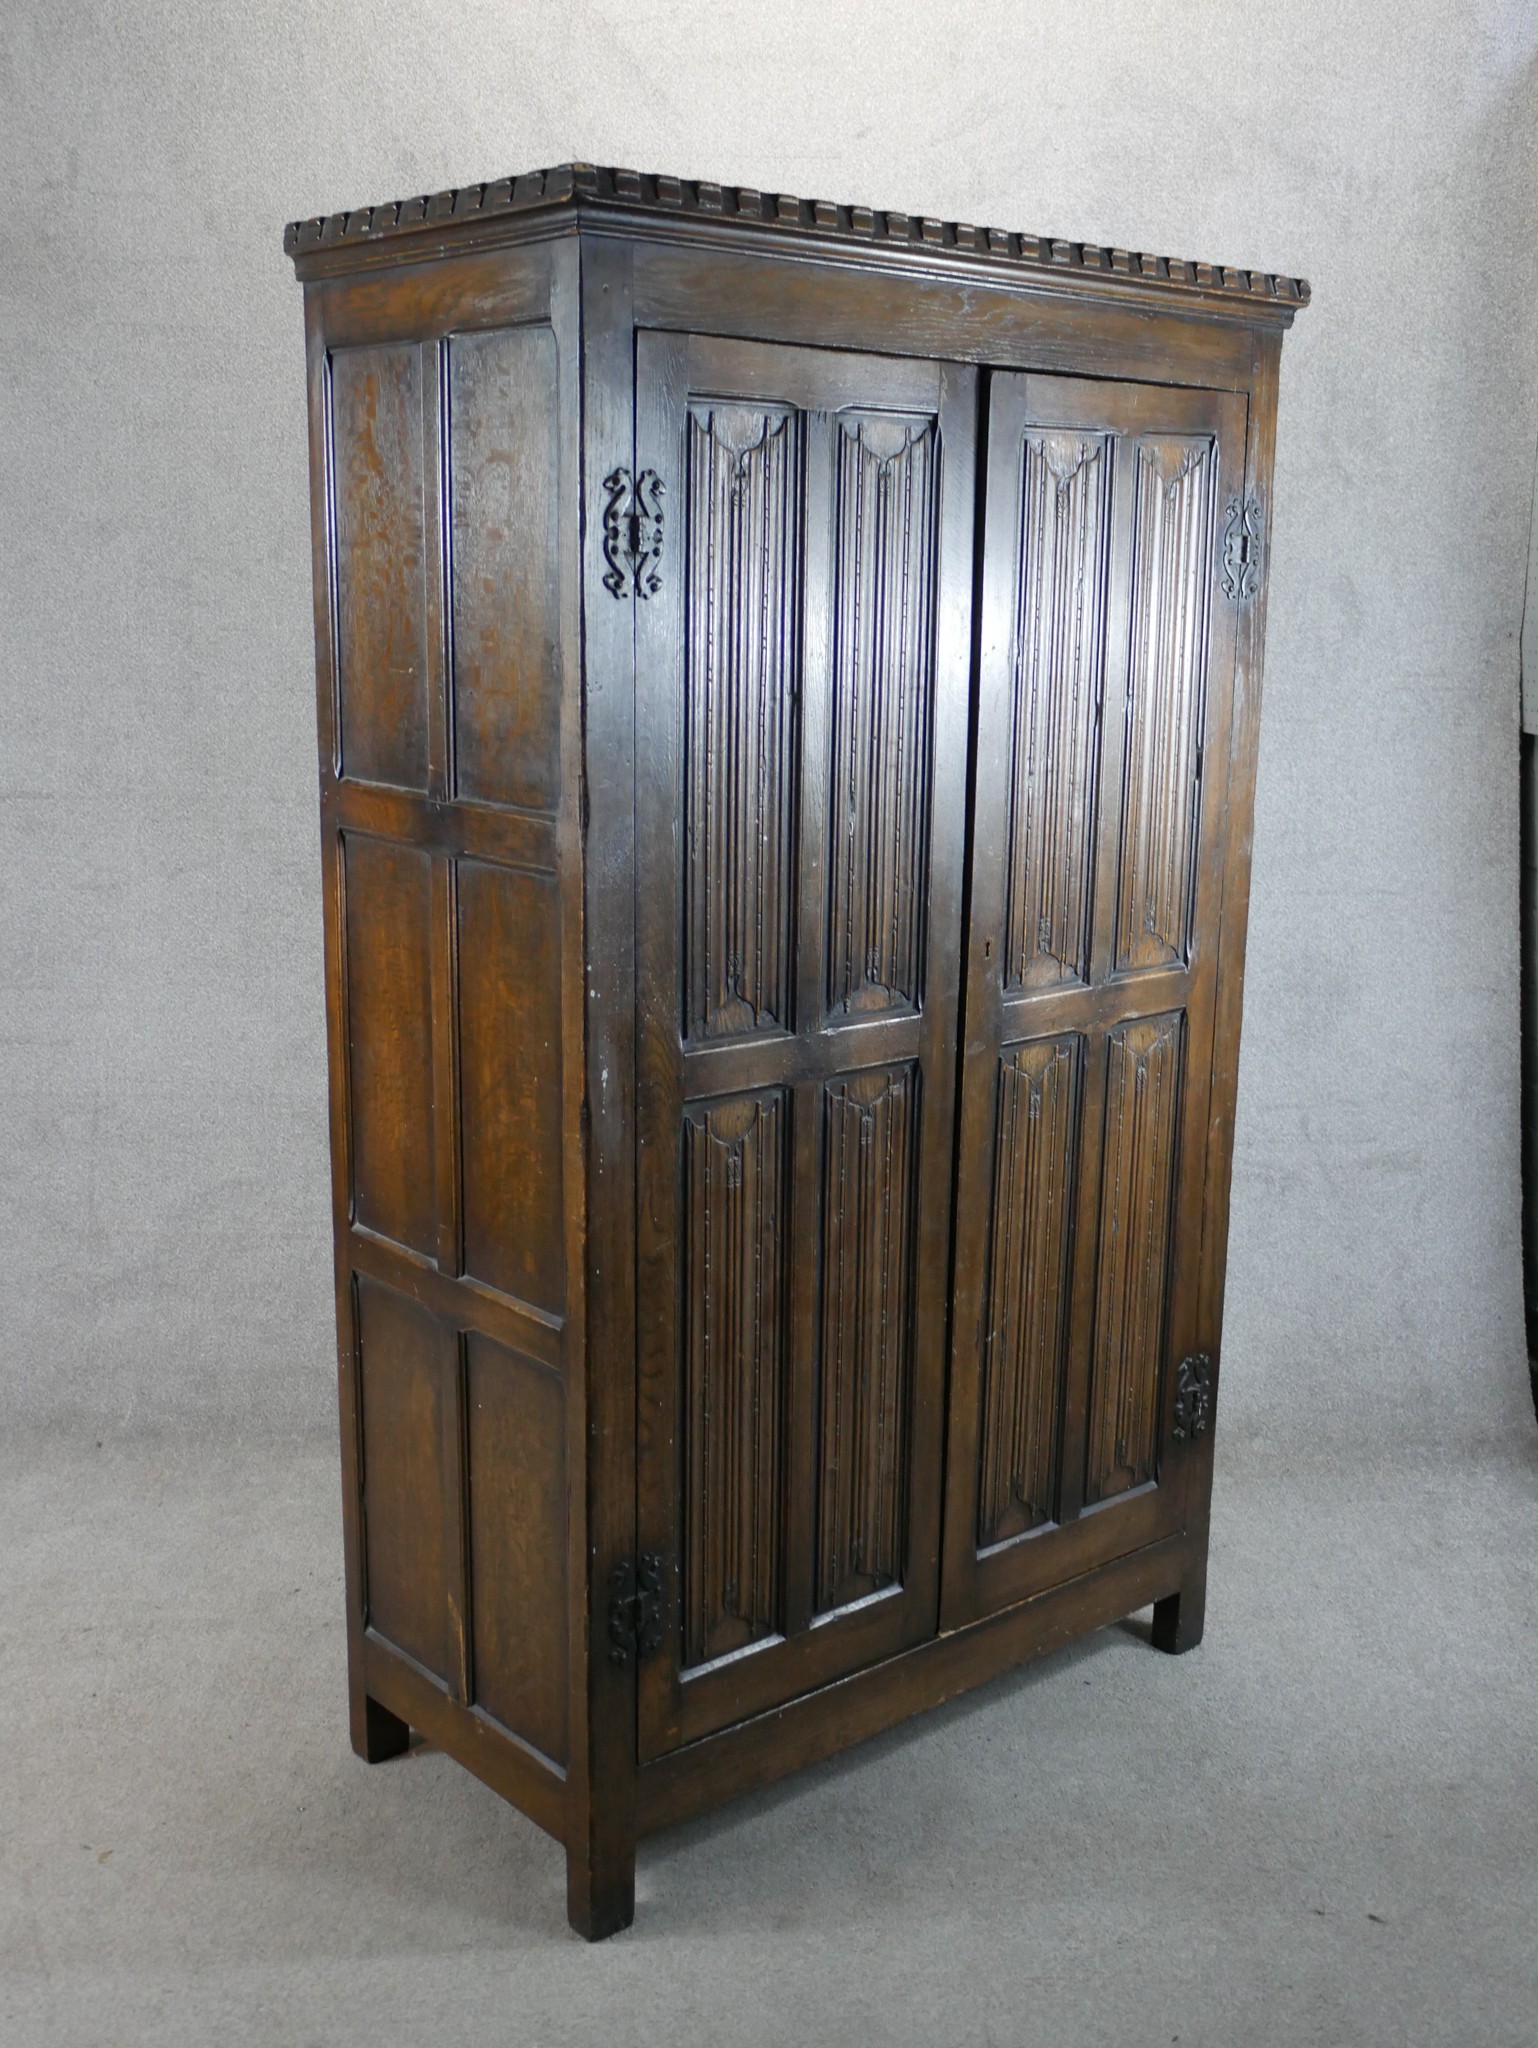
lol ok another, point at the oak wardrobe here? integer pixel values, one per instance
(788, 679)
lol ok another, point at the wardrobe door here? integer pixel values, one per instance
(1105, 679)
(801, 725)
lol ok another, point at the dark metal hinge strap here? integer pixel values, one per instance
(1241, 550)
(632, 532)
(635, 1608)
(1193, 1396)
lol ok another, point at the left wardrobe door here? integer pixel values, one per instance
(801, 738)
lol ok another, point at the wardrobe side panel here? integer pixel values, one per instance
(1243, 750)
(446, 635)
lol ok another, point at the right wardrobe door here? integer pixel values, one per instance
(1098, 842)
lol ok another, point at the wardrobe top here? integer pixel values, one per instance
(441, 222)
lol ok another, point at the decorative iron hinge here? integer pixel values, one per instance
(632, 532)
(1241, 550)
(635, 1608)
(1193, 1396)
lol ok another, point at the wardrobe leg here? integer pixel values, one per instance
(377, 1734)
(600, 1888)
(1177, 1621)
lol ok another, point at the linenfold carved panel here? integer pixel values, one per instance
(742, 654)
(733, 1343)
(883, 666)
(870, 1160)
(1143, 1080)
(1026, 1304)
(1059, 674)
(1172, 528)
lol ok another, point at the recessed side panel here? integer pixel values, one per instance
(516, 1458)
(1025, 1326)
(381, 557)
(504, 560)
(1142, 1109)
(388, 891)
(742, 653)
(431, 403)
(886, 477)
(1174, 508)
(1057, 679)
(508, 927)
(870, 1179)
(403, 1355)
(734, 1328)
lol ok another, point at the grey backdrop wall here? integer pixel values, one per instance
(163, 1207)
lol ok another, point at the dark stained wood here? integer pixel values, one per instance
(801, 695)
(516, 1478)
(400, 995)
(1105, 672)
(1055, 702)
(390, 1033)
(377, 1734)
(526, 1329)
(1178, 1618)
(515, 839)
(1029, 1239)
(870, 1187)
(454, 1454)
(723, 215)
(510, 1082)
(734, 1213)
(382, 624)
(1144, 1063)
(1181, 1627)
(756, 1752)
(403, 1353)
(990, 322)
(730, 876)
(509, 1767)
(502, 536)
(601, 1831)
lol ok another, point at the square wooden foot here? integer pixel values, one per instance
(377, 1734)
(600, 1894)
(1177, 1621)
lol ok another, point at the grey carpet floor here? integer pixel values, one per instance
(1321, 1827)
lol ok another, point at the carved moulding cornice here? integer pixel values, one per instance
(598, 188)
